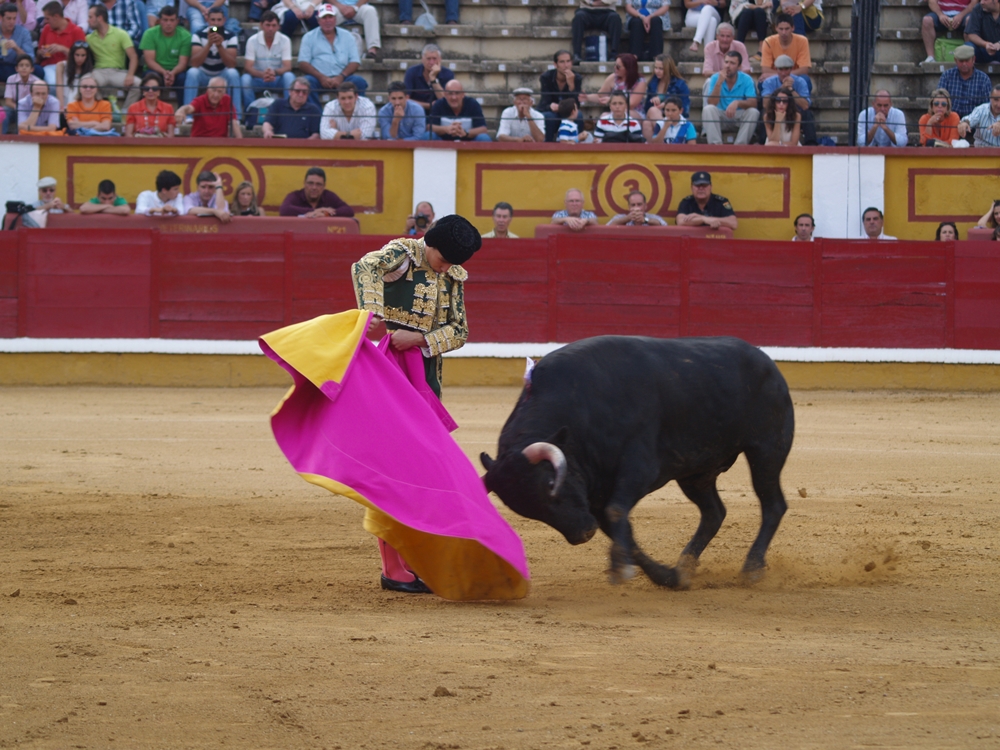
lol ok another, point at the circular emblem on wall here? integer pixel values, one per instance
(629, 177)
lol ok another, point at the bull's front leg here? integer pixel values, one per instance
(619, 529)
(634, 480)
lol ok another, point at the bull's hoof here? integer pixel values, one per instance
(686, 565)
(621, 574)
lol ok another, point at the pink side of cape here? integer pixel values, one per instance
(376, 434)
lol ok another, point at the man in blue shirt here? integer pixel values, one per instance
(329, 56)
(294, 117)
(967, 86)
(401, 119)
(14, 40)
(882, 125)
(457, 117)
(426, 80)
(731, 98)
(796, 87)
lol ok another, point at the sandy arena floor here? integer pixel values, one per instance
(167, 581)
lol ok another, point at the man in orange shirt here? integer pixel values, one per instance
(785, 42)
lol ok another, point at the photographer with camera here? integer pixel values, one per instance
(420, 220)
(213, 55)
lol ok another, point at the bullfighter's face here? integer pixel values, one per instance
(526, 489)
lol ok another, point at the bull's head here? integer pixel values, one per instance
(537, 482)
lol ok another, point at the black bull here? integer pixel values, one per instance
(607, 420)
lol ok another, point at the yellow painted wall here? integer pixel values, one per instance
(767, 190)
(923, 190)
(379, 181)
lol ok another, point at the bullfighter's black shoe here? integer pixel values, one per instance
(416, 586)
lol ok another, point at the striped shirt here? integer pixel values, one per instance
(568, 131)
(982, 120)
(622, 131)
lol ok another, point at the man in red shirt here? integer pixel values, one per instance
(214, 116)
(56, 39)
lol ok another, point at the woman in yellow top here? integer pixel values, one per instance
(939, 127)
(88, 112)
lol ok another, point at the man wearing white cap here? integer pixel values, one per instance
(47, 200)
(329, 56)
(522, 122)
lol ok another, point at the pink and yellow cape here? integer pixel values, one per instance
(353, 424)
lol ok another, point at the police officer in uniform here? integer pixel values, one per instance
(703, 208)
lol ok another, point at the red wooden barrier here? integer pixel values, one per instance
(135, 284)
(239, 225)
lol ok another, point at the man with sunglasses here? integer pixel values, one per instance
(984, 121)
(47, 199)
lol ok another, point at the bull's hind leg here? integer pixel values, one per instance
(765, 470)
(702, 492)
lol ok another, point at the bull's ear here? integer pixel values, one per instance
(486, 461)
(561, 437)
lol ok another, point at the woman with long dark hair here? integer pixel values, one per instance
(625, 79)
(991, 218)
(782, 120)
(78, 63)
(946, 231)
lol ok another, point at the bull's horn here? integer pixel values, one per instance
(548, 452)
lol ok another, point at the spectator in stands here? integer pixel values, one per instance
(56, 39)
(198, 13)
(637, 215)
(213, 54)
(569, 131)
(166, 200)
(107, 201)
(76, 11)
(625, 79)
(807, 15)
(294, 117)
(15, 40)
(245, 201)
(616, 125)
(731, 103)
(647, 18)
(785, 42)
(991, 218)
(17, 87)
(747, 15)
(597, 14)
(457, 117)
(522, 122)
(113, 51)
(213, 113)
(805, 225)
(671, 126)
(27, 15)
(882, 124)
(425, 82)
(944, 16)
(558, 84)
(348, 116)
(782, 120)
(420, 220)
(166, 49)
(267, 62)
(89, 114)
(122, 14)
(329, 56)
(716, 51)
(939, 127)
(984, 121)
(703, 208)
(314, 201)
(38, 112)
(79, 63)
(450, 11)
(364, 13)
(665, 82)
(795, 87)
(704, 17)
(873, 221)
(297, 15)
(47, 198)
(503, 213)
(946, 232)
(401, 119)
(982, 31)
(967, 87)
(574, 216)
(208, 199)
(150, 117)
